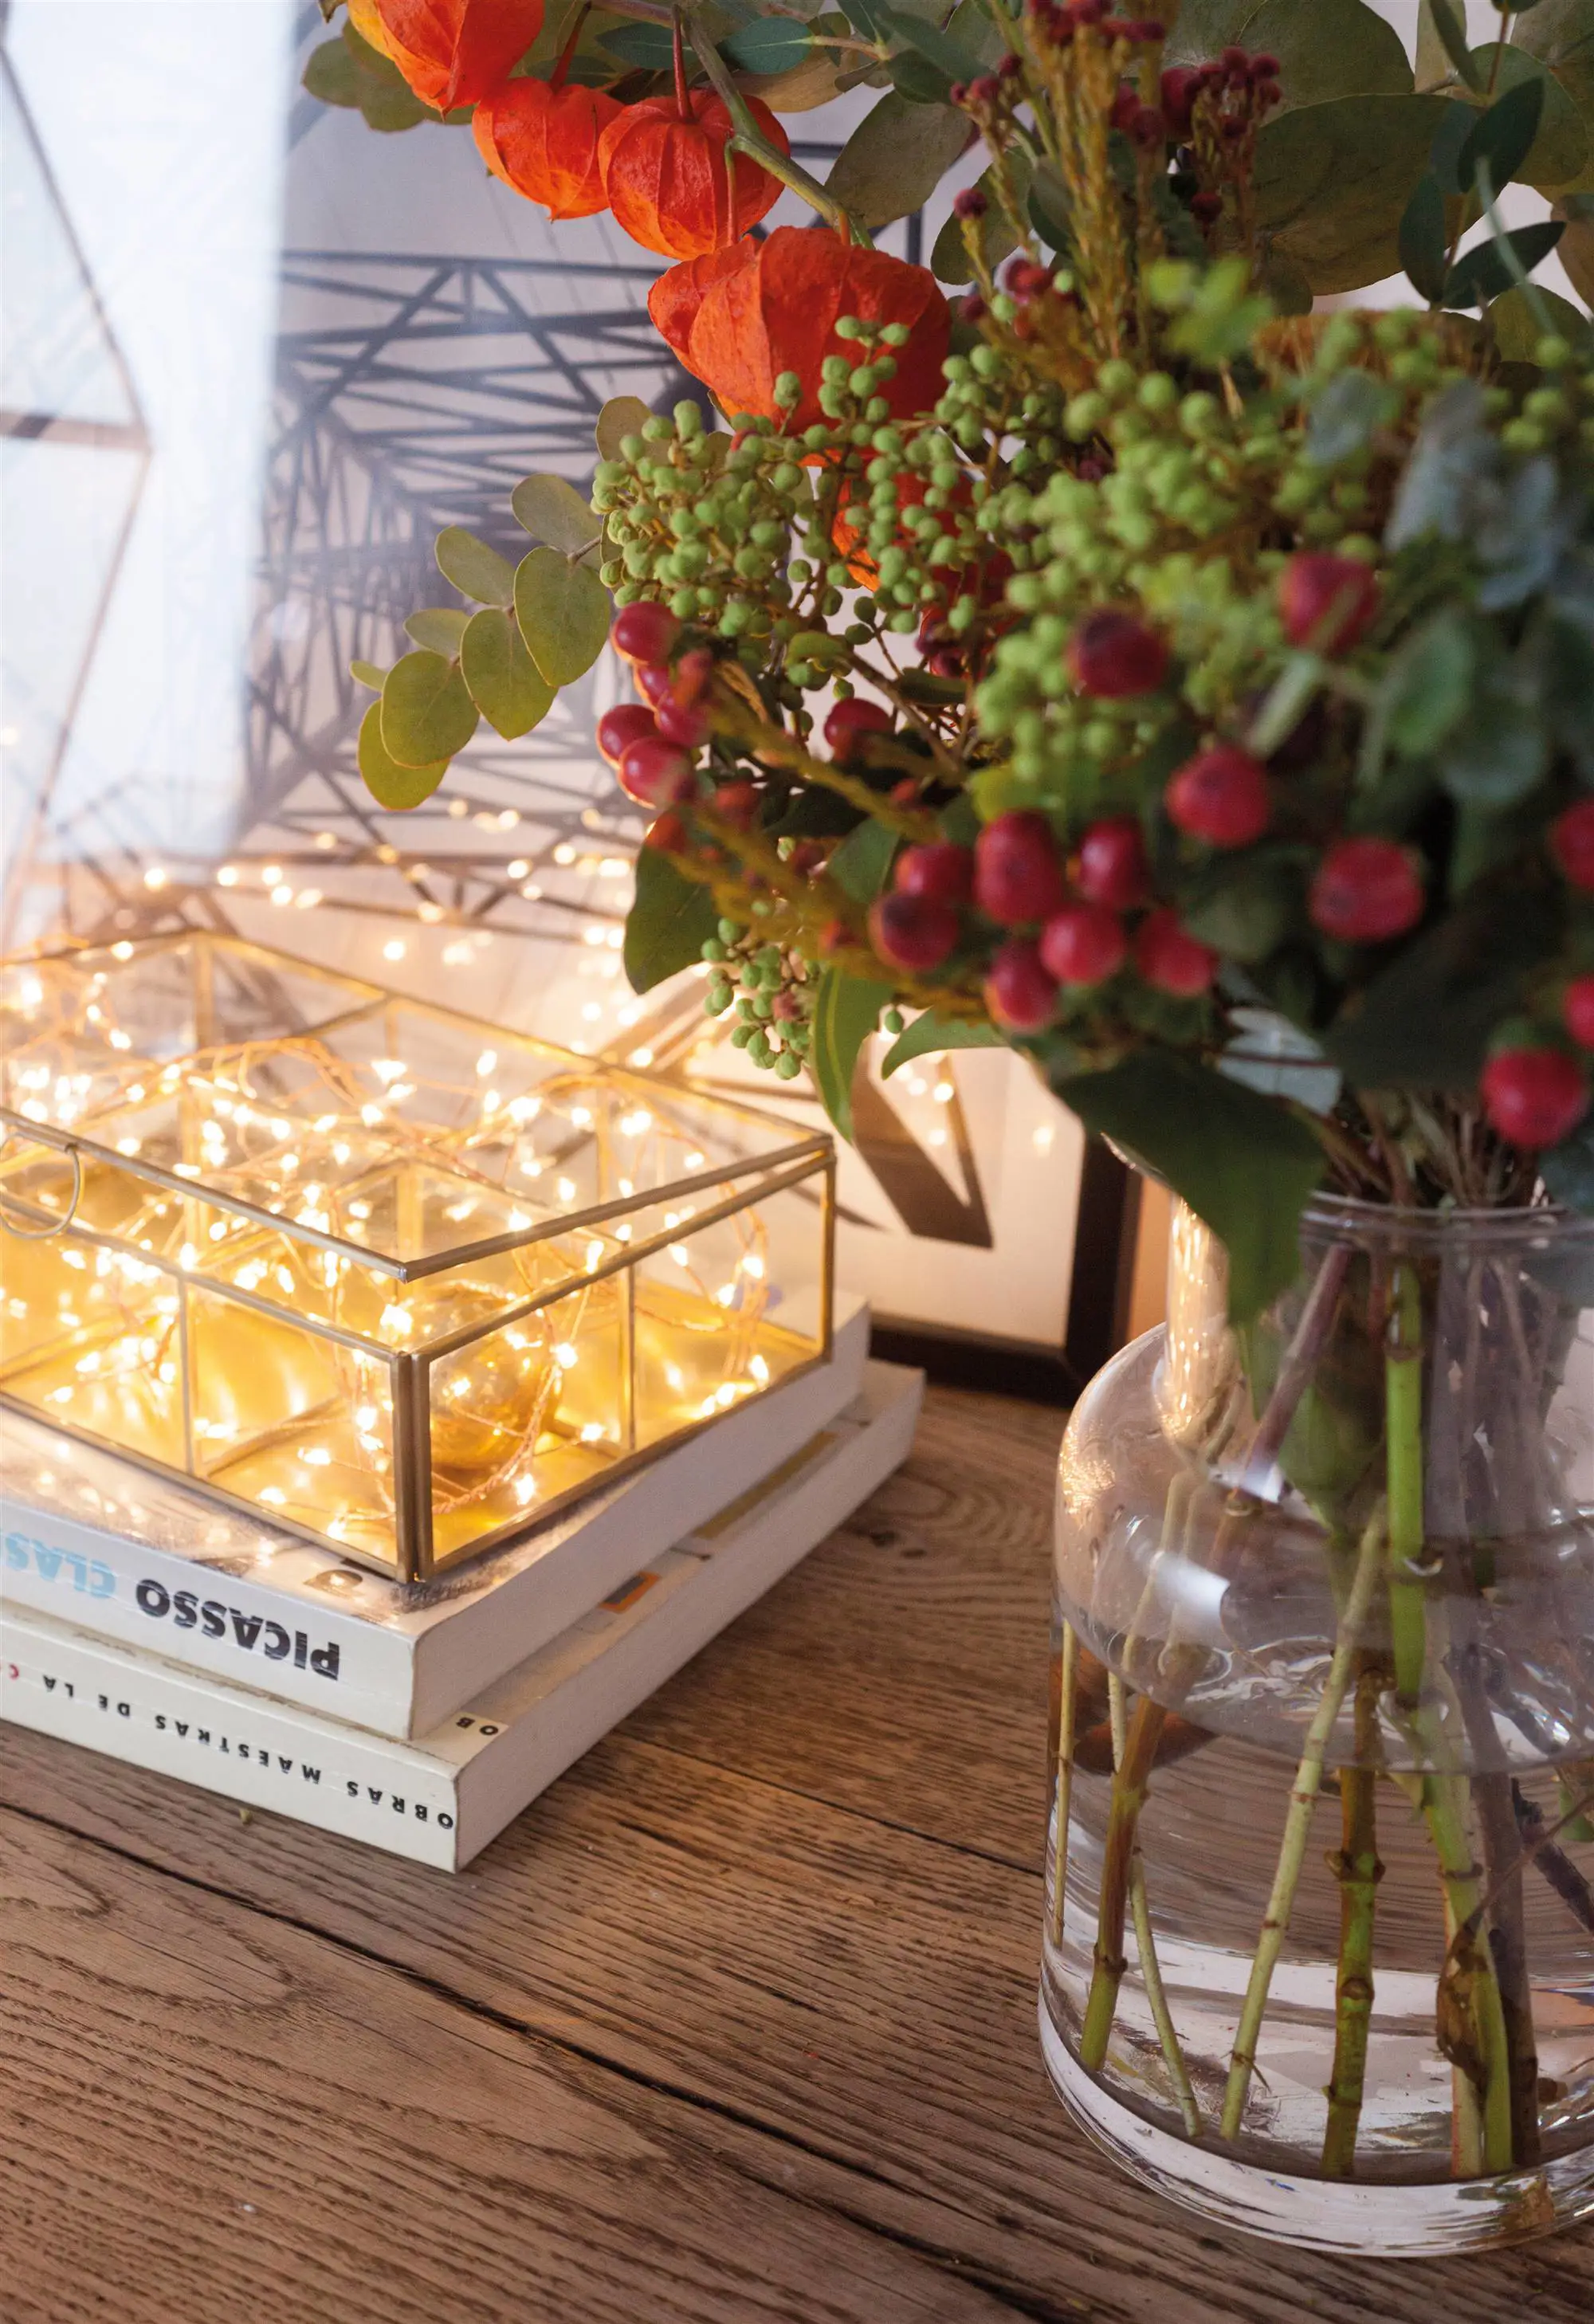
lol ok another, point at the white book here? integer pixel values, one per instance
(441, 1798)
(91, 1540)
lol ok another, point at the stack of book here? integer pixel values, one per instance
(140, 1619)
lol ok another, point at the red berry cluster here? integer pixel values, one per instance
(1217, 109)
(1535, 1092)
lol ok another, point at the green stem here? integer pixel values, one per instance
(749, 139)
(1162, 2017)
(1403, 1409)
(1291, 1852)
(1064, 1777)
(1123, 1815)
(1472, 2022)
(1509, 258)
(1359, 1871)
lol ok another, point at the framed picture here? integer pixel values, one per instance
(246, 422)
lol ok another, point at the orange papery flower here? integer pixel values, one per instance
(453, 52)
(669, 181)
(740, 318)
(544, 143)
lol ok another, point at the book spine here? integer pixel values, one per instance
(158, 1603)
(59, 1682)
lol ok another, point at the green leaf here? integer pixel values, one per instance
(1428, 685)
(1450, 22)
(475, 569)
(552, 511)
(1445, 152)
(1503, 136)
(1326, 48)
(563, 610)
(769, 44)
(860, 864)
(895, 158)
(621, 416)
(331, 75)
(1243, 1162)
(1048, 209)
(1560, 149)
(1425, 240)
(949, 260)
(1332, 181)
(440, 628)
(1560, 34)
(647, 46)
(929, 1034)
(946, 53)
(1499, 755)
(1243, 910)
(427, 712)
(366, 673)
(1484, 272)
(1346, 414)
(1518, 329)
(670, 919)
(846, 1011)
(1425, 1021)
(918, 80)
(389, 784)
(381, 90)
(505, 684)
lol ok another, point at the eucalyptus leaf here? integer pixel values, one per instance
(930, 1036)
(1449, 20)
(563, 610)
(331, 75)
(941, 49)
(1326, 48)
(1428, 683)
(475, 570)
(1497, 755)
(647, 46)
(846, 1011)
(1425, 240)
(1243, 1162)
(994, 235)
(1560, 34)
(552, 511)
(670, 919)
(1332, 181)
(505, 684)
(918, 80)
(381, 91)
(1504, 134)
(1484, 272)
(1559, 151)
(367, 673)
(1517, 330)
(621, 416)
(427, 712)
(1456, 125)
(1048, 209)
(389, 784)
(440, 628)
(895, 158)
(769, 44)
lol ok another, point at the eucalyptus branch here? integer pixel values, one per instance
(749, 139)
(1509, 258)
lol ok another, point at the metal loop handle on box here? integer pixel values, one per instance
(56, 1226)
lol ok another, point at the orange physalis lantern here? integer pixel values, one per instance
(453, 52)
(671, 183)
(543, 141)
(740, 318)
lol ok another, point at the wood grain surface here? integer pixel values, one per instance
(737, 2022)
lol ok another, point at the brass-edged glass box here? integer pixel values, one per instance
(403, 1281)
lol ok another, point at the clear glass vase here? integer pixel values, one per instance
(1319, 1952)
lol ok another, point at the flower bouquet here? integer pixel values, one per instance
(1141, 665)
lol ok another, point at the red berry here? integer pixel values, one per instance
(669, 831)
(737, 803)
(1326, 601)
(1576, 1010)
(655, 682)
(1114, 655)
(849, 720)
(644, 632)
(655, 773)
(1179, 86)
(912, 932)
(693, 672)
(1534, 1097)
(1571, 843)
(1112, 868)
(619, 728)
(1220, 795)
(1365, 891)
(1172, 960)
(1017, 872)
(942, 871)
(1083, 944)
(682, 723)
(1019, 992)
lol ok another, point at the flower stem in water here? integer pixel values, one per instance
(1128, 1798)
(1064, 1777)
(1403, 1402)
(1145, 1944)
(1359, 1871)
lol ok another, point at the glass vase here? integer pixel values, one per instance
(1319, 1947)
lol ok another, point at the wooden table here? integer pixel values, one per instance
(737, 2023)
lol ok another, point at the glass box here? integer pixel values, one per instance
(405, 1281)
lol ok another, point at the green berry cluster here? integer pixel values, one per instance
(771, 990)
